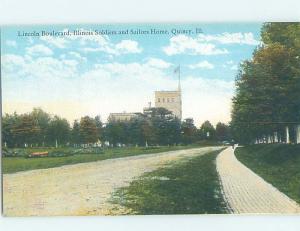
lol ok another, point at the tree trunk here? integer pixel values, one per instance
(298, 134)
(287, 135)
(269, 139)
(276, 137)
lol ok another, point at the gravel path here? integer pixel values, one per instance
(246, 192)
(80, 189)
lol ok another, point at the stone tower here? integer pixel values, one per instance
(170, 100)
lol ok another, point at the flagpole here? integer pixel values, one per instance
(179, 85)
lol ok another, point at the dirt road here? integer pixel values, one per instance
(81, 189)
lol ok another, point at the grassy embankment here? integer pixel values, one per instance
(16, 164)
(278, 164)
(186, 187)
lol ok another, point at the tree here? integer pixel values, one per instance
(75, 133)
(189, 131)
(8, 123)
(174, 131)
(147, 132)
(25, 130)
(115, 132)
(222, 132)
(99, 126)
(160, 112)
(268, 87)
(58, 131)
(207, 131)
(42, 120)
(157, 126)
(88, 130)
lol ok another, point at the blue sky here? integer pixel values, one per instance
(74, 76)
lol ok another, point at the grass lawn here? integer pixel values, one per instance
(187, 187)
(16, 164)
(278, 164)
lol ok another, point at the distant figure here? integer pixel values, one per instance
(232, 144)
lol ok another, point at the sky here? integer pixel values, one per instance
(117, 68)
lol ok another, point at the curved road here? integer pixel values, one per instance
(246, 192)
(81, 189)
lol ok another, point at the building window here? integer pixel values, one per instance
(163, 100)
(172, 100)
(158, 100)
(168, 100)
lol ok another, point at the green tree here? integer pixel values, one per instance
(75, 133)
(42, 120)
(268, 86)
(222, 132)
(189, 131)
(8, 123)
(25, 131)
(88, 130)
(58, 131)
(207, 131)
(115, 132)
(148, 132)
(99, 126)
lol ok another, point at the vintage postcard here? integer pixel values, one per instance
(125, 119)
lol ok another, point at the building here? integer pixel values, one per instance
(123, 116)
(171, 100)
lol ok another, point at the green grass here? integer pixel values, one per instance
(16, 164)
(278, 164)
(190, 187)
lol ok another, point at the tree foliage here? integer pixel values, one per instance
(157, 126)
(268, 87)
(88, 130)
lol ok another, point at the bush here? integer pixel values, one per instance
(91, 150)
(14, 152)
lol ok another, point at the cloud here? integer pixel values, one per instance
(123, 47)
(143, 71)
(39, 49)
(11, 43)
(12, 60)
(159, 63)
(72, 63)
(230, 38)
(11, 63)
(77, 56)
(203, 44)
(38, 68)
(202, 65)
(128, 46)
(231, 65)
(207, 99)
(183, 44)
(60, 88)
(58, 42)
(88, 41)
(234, 67)
(91, 42)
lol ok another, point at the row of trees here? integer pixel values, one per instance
(162, 128)
(266, 107)
(38, 128)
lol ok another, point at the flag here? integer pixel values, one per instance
(177, 69)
